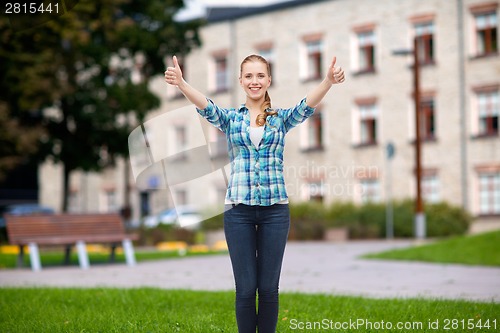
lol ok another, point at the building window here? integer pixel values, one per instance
(488, 103)
(316, 191)
(489, 193)
(267, 53)
(366, 51)
(221, 74)
(367, 124)
(180, 197)
(180, 136)
(430, 188)
(486, 33)
(370, 190)
(427, 119)
(74, 201)
(312, 133)
(314, 49)
(424, 33)
(180, 140)
(110, 197)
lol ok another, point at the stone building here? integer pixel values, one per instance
(340, 152)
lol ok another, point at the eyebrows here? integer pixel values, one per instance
(252, 73)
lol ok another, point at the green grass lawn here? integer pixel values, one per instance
(56, 258)
(481, 249)
(155, 310)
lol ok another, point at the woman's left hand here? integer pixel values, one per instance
(335, 74)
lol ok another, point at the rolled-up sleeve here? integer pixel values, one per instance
(296, 115)
(215, 115)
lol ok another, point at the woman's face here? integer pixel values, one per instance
(254, 79)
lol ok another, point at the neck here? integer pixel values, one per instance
(254, 104)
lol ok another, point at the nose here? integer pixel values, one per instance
(255, 80)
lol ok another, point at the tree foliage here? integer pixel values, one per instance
(74, 86)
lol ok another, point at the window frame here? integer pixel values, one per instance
(430, 186)
(424, 34)
(221, 76)
(486, 38)
(368, 187)
(427, 126)
(318, 194)
(366, 48)
(491, 41)
(492, 95)
(368, 120)
(312, 133)
(314, 49)
(494, 186)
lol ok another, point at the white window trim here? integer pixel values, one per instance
(356, 123)
(304, 70)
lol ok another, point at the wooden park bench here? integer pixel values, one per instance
(68, 230)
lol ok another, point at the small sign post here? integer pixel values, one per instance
(389, 212)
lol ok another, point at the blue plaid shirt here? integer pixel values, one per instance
(256, 172)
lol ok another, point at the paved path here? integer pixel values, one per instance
(331, 268)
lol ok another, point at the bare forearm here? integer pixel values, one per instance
(193, 95)
(315, 96)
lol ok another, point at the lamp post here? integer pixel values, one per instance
(419, 222)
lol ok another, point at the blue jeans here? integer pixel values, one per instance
(256, 237)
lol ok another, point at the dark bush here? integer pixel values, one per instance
(166, 233)
(341, 214)
(213, 223)
(309, 220)
(444, 220)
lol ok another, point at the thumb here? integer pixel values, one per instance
(334, 60)
(176, 64)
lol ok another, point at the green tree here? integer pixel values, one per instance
(69, 79)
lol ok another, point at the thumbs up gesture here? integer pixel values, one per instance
(173, 75)
(335, 74)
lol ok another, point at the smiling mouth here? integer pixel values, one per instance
(255, 88)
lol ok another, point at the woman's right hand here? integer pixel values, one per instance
(173, 75)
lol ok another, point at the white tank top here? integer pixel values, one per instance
(256, 134)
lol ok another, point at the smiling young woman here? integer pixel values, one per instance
(257, 216)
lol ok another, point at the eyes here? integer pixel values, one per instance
(259, 76)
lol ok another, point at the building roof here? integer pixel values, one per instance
(219, 14)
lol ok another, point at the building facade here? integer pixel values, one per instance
(340, 153)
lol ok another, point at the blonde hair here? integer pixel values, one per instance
(266, 105)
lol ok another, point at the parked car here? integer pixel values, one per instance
(182, 216)
(23, 209)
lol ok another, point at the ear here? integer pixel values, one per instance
(241, 82)
(269, 81)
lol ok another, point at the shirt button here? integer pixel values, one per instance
(257, 165)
